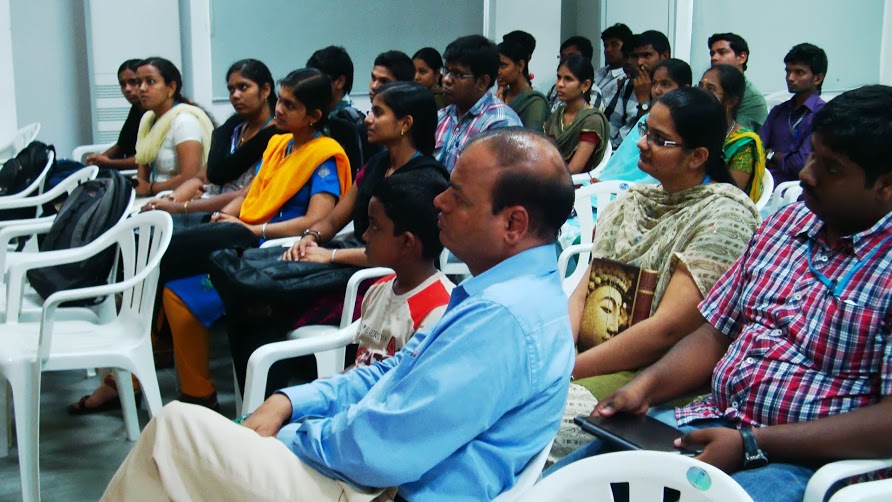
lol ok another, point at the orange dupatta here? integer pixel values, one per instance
(281, 177)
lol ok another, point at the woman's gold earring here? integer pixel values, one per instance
(402, 132)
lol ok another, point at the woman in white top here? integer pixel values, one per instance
(174, 135)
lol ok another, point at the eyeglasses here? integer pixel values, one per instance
(654, 139)
(454, 75)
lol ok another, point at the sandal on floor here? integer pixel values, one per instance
(81, 408)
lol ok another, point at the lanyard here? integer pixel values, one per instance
(793, 125)
(706, 180)
(836, 287)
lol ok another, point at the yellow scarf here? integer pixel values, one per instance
(733, 143)
(152, 133)
(281, 176)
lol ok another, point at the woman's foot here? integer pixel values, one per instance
(104, 398)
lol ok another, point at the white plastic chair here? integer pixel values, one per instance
(784, 194)
(767, 190)
(82, 151)
(36, 186)
(827, 476)
(326, 342)
(451, 265)
(37, 201)
(528, 477)
(648, 474)
(572, 281)
(584, 178)
(28, 349)
(22, 138)
(597, 196)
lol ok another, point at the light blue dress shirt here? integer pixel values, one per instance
(459, 411)
(623, 164)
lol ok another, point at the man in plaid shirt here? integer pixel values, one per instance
(471, 66)
(798, 333)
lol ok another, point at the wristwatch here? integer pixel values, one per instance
(314, 233)
(644, 107)
(753, 456)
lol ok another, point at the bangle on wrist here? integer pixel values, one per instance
(263, 230)
(186, 207)
(152, 188)
(333, 253)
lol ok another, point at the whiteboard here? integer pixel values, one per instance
(285, 33)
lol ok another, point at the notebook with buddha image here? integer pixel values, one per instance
(619, 296)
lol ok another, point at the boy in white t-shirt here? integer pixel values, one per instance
(402, 235)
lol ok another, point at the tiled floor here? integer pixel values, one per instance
(79, 455)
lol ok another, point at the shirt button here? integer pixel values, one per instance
(776, 332)
(734, 404)
(750, 360)
(824, 259)
(797, 297)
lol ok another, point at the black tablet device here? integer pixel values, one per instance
(634, 432)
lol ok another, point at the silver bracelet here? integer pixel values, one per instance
(263, 230)
(333, 252)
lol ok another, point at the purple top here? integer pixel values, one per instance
(788, 131)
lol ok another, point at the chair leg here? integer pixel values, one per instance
(145, 371)
(128, 403)
(5, 423)
(237, 391)
(27, 418)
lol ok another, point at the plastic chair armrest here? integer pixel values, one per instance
(826, 476)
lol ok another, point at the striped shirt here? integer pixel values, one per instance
(801, 350)
(454, 132)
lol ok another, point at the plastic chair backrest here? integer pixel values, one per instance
(595, 196)
(784, 194)
(648, 475)
(82, 151)
(767, 190)
(528, 476)
(22, 138)
(608, 152)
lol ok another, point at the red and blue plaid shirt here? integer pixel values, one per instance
(489, 112)
(799, 353)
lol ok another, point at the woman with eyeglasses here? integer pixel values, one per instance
(689, 229)
(669, 74)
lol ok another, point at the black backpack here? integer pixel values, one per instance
(20, 171)
(92, 209)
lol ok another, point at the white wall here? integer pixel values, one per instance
(50, 59)
(8, 120)
(540, 18)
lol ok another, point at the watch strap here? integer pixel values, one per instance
(753, 456)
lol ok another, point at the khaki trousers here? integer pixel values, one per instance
(188, 453)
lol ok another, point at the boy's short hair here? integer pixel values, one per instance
(618, 31)
(810, 55)
(858, 124)
(408, 200)
(653, 38)
(399, 63)
(583, 44)
(334, 62)
(475, 52)
(736, 42)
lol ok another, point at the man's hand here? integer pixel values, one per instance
(722, 447)
(270, 416)
(628, 399)
(642, 85)
(143, 188)
(97, 159)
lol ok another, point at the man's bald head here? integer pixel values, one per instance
(532, 174)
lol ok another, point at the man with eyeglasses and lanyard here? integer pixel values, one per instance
(470, 69)
(787, 129)
(797, 338)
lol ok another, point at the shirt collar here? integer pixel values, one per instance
(343, 103)
(534, 261)
(811, 226)
(475, 110)
(811, 102)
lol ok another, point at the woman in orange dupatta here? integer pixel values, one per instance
(301, 178)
